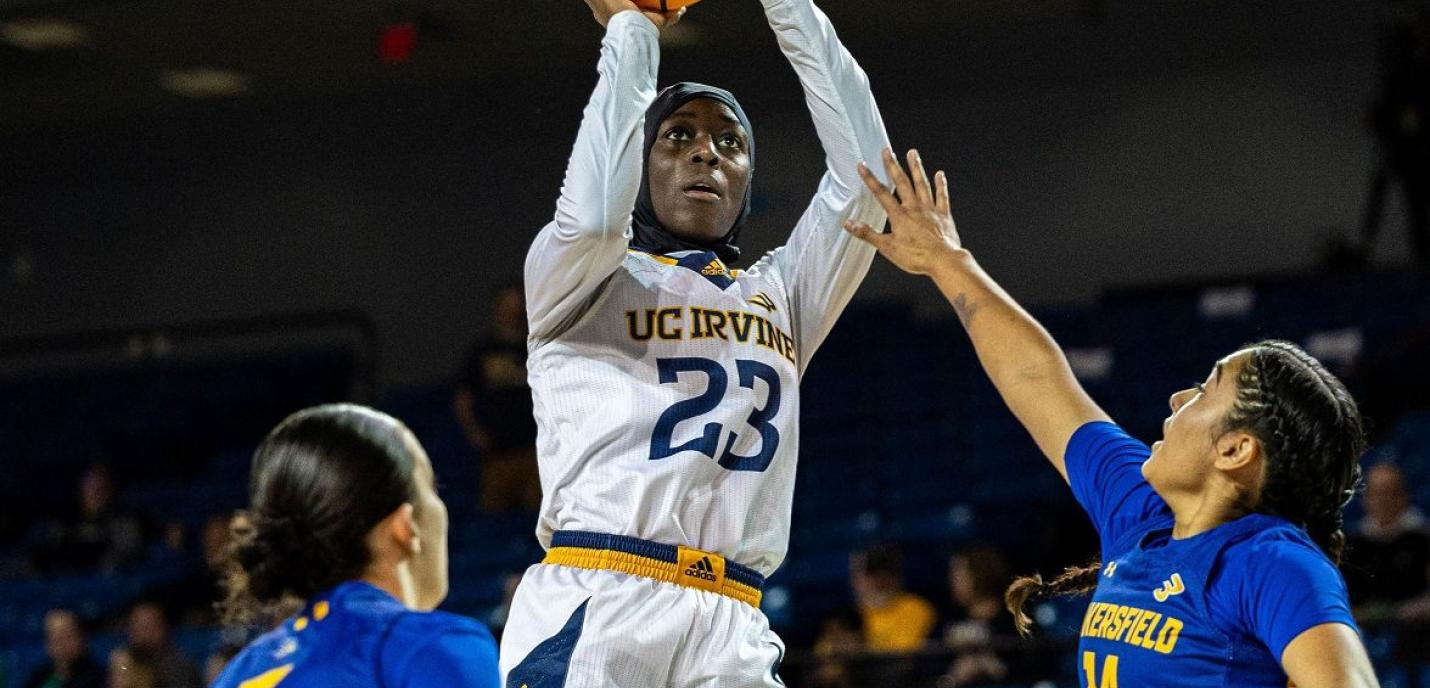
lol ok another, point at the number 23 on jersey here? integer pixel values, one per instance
(708, 443)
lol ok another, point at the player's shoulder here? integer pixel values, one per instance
(1104, 436)
(1268, 534)
(449, 639)
(637, 260)
(419, 624)
(1270, 547)
(259, 655)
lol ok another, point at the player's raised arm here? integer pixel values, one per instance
(819, 264)
(1024, 363)
(585, 242)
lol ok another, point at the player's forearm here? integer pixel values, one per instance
(837, 91)
(603, 175)
(822, 265)
(1022, 360)
(1011, 345)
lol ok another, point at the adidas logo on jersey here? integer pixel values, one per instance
(715, 267)
(702, 569)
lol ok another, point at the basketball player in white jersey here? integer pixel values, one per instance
(666, 384)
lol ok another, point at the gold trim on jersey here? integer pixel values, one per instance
(693, 569)
(715, 267)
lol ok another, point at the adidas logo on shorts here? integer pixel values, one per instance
(702, 569)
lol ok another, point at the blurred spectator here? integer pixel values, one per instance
(977, 578)
(894, 620)
(98, 536)
(70, 664)
(128, 670)
(199, 592)
(214, 665)
(1388, 553)
(840, 638)
(1400, 119)
(493, 404)
(150, 645)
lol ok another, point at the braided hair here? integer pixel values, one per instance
(1311, 436)
(1311, 433)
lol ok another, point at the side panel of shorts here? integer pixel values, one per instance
(629, 630)
(737, 650)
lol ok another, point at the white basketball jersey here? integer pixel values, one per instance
(666, 388)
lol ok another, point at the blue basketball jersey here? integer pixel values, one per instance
(357, 635)
(1216, 609)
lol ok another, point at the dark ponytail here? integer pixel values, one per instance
(319, 483)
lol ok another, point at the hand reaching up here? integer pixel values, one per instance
(921, 230)
(605, 9)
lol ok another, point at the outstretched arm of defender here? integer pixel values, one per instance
(1020, 357)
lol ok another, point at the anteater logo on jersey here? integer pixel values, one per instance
(764, 301)
(677, 323)
(1169, 588)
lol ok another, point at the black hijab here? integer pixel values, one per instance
(649, 235)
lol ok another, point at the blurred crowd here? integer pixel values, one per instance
(968, 633)
(99, 536)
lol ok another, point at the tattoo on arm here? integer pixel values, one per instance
(965, 308)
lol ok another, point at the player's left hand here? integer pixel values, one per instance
(921, 230)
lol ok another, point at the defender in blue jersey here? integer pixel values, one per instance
(345, 517)
(1218, 542)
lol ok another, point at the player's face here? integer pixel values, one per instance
(1182, 460)
(699, 166)
(429, 567)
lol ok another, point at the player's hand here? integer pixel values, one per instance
(921, 231)
(605, 9)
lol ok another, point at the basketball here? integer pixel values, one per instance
(663, 5)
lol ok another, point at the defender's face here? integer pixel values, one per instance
(699, 167)
(1183, 459)
(429, 513)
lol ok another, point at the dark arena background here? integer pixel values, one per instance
(215, 214)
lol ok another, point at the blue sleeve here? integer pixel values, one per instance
(1287, 587)
(454, 651)
(1104, 466)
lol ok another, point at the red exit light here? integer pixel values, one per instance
(395, 42)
